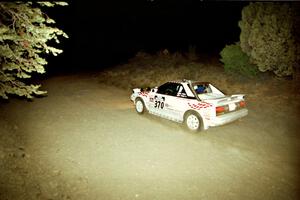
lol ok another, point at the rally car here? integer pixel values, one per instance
(199, 105)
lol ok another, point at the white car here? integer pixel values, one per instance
(199, 105)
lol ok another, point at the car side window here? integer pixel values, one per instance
(168, 89)
(181, 92)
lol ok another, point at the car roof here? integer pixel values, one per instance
(200, 82)
(187, 81)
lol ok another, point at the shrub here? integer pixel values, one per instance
(235, 60)
(267, 36)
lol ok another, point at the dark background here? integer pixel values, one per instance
(106, 33)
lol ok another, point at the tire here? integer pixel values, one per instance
(140, 106)
(193, 121)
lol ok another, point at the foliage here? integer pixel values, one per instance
(235, 60)
(267, 36)
(24, 33)
(296, 20)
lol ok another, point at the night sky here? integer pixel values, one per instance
(106, 33)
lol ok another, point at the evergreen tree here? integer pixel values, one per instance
(24, 33)
(267, 36)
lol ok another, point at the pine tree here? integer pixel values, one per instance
(24, 33)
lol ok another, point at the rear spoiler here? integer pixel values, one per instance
(232, 98)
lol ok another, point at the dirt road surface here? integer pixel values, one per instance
(85, 141)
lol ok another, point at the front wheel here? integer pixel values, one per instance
(139, 106)
(193, 121)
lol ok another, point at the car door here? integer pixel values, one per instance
(167, 100)
(176, 103)
(160, 99)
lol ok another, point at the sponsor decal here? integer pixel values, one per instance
(181, 94)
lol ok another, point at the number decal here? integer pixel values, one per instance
(162, 104)
(159, 104)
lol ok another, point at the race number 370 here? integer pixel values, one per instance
(159, 104)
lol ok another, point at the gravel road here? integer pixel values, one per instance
(85, 141)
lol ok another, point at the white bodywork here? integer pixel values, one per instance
(185, 98)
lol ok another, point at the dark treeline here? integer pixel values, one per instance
(105, 34)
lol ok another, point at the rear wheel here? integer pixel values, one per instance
(139, 106)
(193, 121)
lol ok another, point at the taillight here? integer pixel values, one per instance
(242, 104)
(221, 109)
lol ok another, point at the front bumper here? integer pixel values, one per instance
(229, 117)
(132, 97)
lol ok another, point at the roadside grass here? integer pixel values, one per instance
(146, 70)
